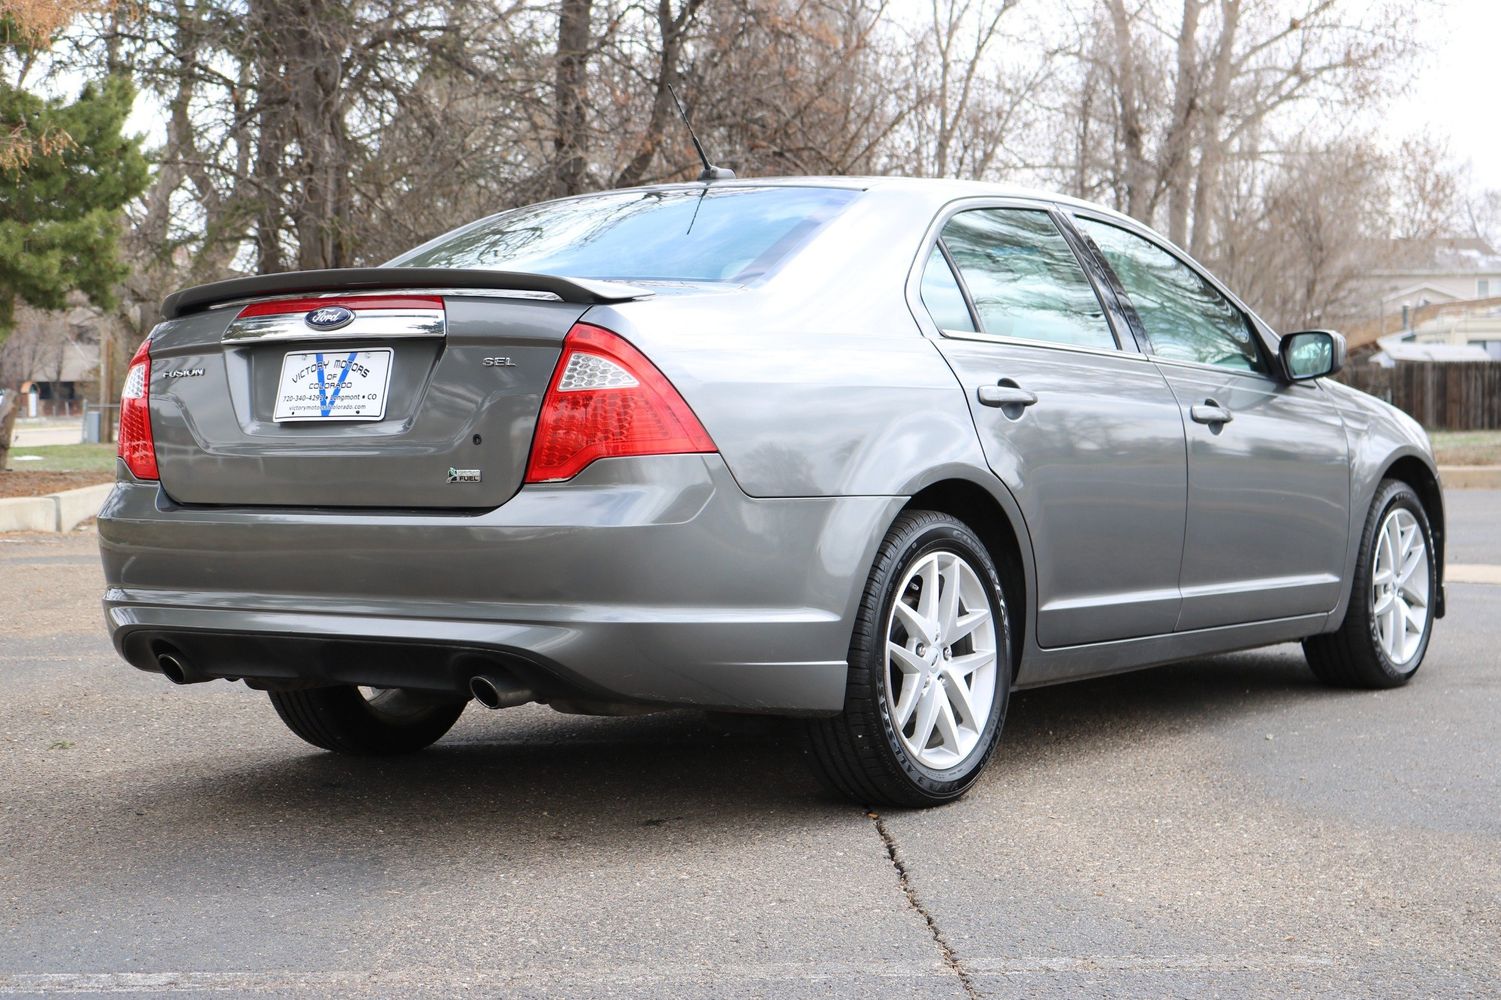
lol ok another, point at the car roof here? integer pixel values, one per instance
(928, 190)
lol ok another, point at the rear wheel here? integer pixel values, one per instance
(930, 671)
(1386, 629)
(367, 721)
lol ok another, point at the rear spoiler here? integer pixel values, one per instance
(361, 279)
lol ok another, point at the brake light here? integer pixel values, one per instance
(136, 445)
(606, 400)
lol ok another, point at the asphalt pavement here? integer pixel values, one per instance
(34, 433)
(1224, 827)
(1475, 517)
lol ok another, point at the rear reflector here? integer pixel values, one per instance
(137, 448)
(606, 400)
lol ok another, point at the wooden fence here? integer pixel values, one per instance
(1442, 396)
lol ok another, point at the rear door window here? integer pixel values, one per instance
(1024, 279)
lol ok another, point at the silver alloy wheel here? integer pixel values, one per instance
(940, 660)
(1399, 586)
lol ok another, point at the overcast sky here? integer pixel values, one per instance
(1456, 90)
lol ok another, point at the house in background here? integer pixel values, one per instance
(52, 360)
(1456, 332)
(60, 390)
(1417, 273)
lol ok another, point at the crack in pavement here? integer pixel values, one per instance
(945, 950)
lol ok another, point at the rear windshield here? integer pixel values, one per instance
(692, 234)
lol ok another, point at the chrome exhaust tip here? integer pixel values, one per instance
(492, 691)
(174, 669)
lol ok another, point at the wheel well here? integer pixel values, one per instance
(1415, 473)
(971, 504)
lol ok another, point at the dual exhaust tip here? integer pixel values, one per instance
(490, 690)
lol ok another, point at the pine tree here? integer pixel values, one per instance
(68, 171)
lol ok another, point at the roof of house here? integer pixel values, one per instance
(1444, 255)
(1395, 348)
(1422, 291)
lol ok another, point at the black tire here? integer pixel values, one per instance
(1353, 655)
(859, 754)
(343, 720)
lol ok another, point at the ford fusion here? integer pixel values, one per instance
(868, 453)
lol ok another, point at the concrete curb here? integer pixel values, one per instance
(1470, 477)
(28, 514)
(56, 512)
(1472, 573)
(76, 506)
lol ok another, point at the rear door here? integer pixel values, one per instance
(1268, 468)
(1086, 434)
(389, 400)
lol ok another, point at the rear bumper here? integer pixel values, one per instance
(652, 581)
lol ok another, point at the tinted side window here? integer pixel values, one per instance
(941, 294)
(1024, 278)
(1185, 317)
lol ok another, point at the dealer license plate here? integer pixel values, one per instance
(333, 385)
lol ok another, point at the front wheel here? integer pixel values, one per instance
(929, 671)
(367, 721)
(1386, 629)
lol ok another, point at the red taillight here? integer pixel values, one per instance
(136, 446)
(607, 400)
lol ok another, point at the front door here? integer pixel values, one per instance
(1085, 434)
(1268, 470)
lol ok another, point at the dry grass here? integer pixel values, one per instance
(37, 484)
(38, 21)
(34, 23)
(1467, 447)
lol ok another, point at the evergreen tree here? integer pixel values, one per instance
(60, 211)
(68, 172)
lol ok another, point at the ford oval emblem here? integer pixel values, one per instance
(329, 318)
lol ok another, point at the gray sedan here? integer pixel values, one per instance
(872, 453)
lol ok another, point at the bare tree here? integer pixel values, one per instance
(671, 26)
(314, 134)
(1428, 197)
(971, 89)
(1214, 124)
(571, 141)
(1306, 235)
(1199, 82)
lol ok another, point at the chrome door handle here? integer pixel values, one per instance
(1003, 394)
(1210, 412)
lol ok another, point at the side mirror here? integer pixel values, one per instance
(1311, 354)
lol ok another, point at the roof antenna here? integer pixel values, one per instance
(710, 172)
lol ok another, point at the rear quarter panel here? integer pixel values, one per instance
(817, 381)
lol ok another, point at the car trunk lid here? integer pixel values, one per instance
(402, 399)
